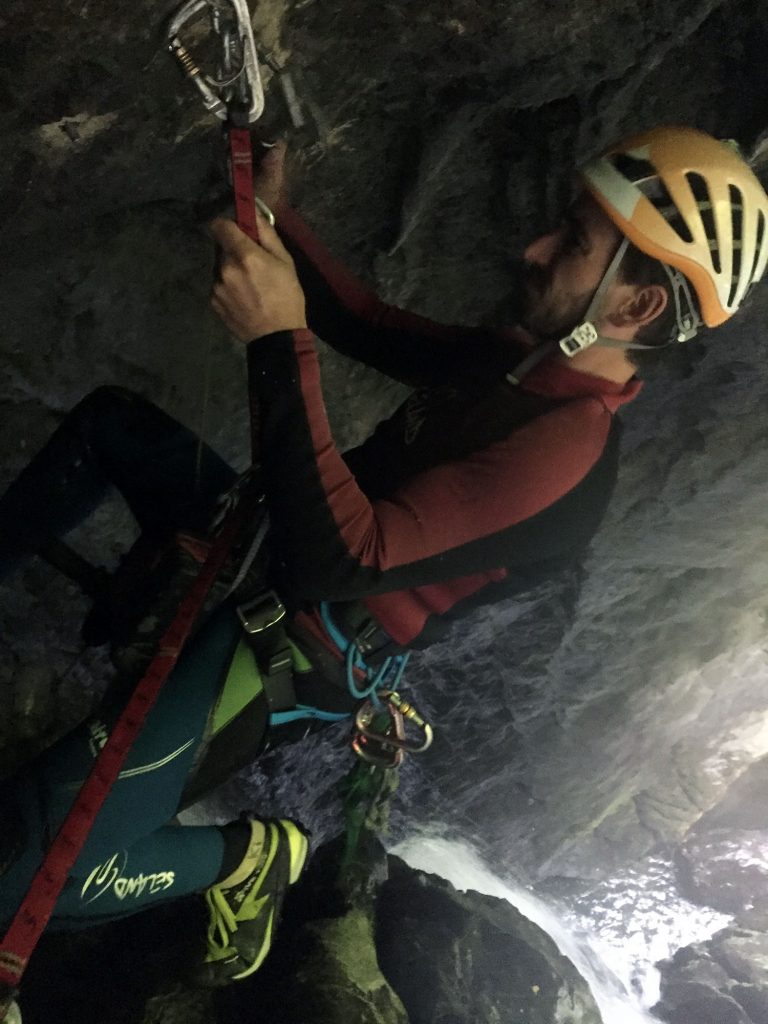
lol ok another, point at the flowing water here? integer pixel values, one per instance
(613, 937)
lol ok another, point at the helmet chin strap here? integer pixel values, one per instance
(586, 334)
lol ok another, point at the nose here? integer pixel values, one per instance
(542, 250)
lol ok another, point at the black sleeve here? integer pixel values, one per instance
(404, 346)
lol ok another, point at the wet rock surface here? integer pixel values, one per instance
(721, 981)
(471, 958)
(581, 725)
(725, 869)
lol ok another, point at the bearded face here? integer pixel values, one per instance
(563, 269)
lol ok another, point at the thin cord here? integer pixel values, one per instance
(203, 420)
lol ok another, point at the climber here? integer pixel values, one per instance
(492, 475)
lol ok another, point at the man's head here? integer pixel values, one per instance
(564, 268)
(668, 234)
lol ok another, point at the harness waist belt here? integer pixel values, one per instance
(359, 627)
(263, 621)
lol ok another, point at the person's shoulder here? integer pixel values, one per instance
(571, 434)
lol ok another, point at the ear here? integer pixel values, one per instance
(642, 306)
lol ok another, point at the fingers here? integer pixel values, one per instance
(235, 243)
(269, 240)
(228, 236)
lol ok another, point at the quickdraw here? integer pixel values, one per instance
(234, 94)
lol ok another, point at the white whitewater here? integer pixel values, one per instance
(617, 968)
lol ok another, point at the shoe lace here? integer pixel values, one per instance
(222, 923)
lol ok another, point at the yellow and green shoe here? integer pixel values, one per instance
(244, 909)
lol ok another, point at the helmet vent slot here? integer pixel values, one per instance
(700, 189)
(737, 201)
(633, 169)
(758, 241)
(667, 207)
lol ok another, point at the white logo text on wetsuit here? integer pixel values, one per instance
(111, 875)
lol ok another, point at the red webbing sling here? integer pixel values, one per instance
(241, 162)
(241, 165)
(37, 906)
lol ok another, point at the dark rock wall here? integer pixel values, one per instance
(581, 726)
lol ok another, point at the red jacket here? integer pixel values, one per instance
(473, 489)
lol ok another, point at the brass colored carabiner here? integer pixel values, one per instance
(379, 735)
(393, 699)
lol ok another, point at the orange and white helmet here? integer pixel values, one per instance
(694, 204)
(690, 202)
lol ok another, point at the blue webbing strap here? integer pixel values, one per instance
(305, 711)
(387, 675)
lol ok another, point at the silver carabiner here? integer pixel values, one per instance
(240, 81)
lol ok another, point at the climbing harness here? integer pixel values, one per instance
(389, 673)
(261, 619)
(379, 735)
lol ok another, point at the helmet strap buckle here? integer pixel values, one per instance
(585, 334)
(580, 338)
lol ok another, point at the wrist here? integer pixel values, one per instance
(276, 333)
